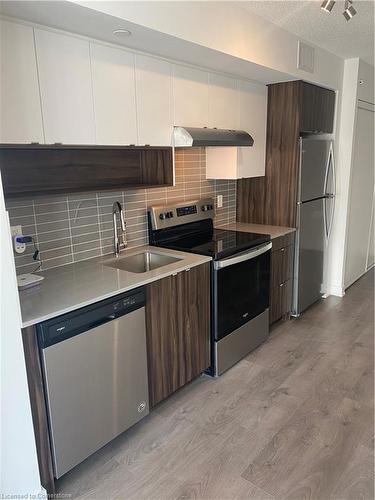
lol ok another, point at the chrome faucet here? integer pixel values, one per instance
(118, 243)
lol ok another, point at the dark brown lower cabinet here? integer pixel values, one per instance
(281, 277)
(178, 330)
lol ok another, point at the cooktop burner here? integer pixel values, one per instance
(216, 243)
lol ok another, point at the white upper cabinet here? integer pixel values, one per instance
(223, 102)
(190, 97)
(20, 113)
(253, 119)
(154, 101)
(65, 88)
(113, 79)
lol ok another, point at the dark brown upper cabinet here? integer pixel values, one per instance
(317, 109)
(33, 170)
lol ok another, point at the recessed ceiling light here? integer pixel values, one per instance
(327, 5)
(349, 11)
(121, 32)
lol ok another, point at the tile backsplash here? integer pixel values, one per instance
(75, 227)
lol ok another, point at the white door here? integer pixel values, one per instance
(190, 97)
(113, 77)
(223, 102)
(361, 195)
(253, 119)
(21, 117)
(154, 101)
(65, 87)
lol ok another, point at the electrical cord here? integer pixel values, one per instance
(35, 257)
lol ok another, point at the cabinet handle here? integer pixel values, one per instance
(282, 250)
(174, 274)
(282, 284)
(188, 269)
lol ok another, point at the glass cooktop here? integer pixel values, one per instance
(216, 243)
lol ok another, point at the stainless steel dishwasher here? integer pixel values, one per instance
(95, 375)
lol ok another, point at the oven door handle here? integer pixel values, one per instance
(220, 264)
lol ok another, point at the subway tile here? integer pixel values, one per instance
(20, 212)
(89, 254)
(18, 203)
(49, 245)
(51, 217)
(88, 229)
(58, 261)
(84, 221)
(55, 252)
(85, 246)
(53, 235)
(51, 226)
(58, 206)
(48, 199)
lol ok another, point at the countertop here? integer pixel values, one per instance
(273, 231)
(70, 287)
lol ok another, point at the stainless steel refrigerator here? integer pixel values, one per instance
(315, 208)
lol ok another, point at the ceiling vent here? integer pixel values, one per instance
(306, 55)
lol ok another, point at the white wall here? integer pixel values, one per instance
(19, 465)
(227, 28)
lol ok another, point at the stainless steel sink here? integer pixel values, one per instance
(142, 262)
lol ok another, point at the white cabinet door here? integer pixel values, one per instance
(21, 117)
(65, 87)
(154, 101)
(113, 78)
(223, 102)
(361, 195)
(253, 119)
(190, 97)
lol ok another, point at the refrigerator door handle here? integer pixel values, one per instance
(332, 196)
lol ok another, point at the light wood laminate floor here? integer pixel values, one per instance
(293, 420)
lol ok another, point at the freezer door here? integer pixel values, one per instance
(313, 168)
(309, 255)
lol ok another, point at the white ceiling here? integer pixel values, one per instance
(331, 31)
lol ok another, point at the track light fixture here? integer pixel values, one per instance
(349, 11)
(327, 5)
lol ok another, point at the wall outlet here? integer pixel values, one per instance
(219, 201)
(17, 231)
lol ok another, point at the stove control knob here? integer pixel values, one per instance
(162, 216)
(204, 208)
(210, 207)
(170, 215)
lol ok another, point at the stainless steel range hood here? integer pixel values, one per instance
(190, 137)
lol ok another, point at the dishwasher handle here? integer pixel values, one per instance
(86, 318)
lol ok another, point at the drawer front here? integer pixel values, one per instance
(282, 265)
(280, 300)
(282, 242)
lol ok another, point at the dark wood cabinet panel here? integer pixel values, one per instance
(317, 108)
(178, 329)
(38, 408)
(293, 107)
(280, 301)
(281, 266)
(282, 262)
(37, 170)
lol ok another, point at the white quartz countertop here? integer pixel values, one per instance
(70, 287)
(273, 231)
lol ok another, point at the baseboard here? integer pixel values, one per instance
(336, 290)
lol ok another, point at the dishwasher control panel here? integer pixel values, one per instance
(63, 327)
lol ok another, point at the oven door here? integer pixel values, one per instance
(241, 289)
